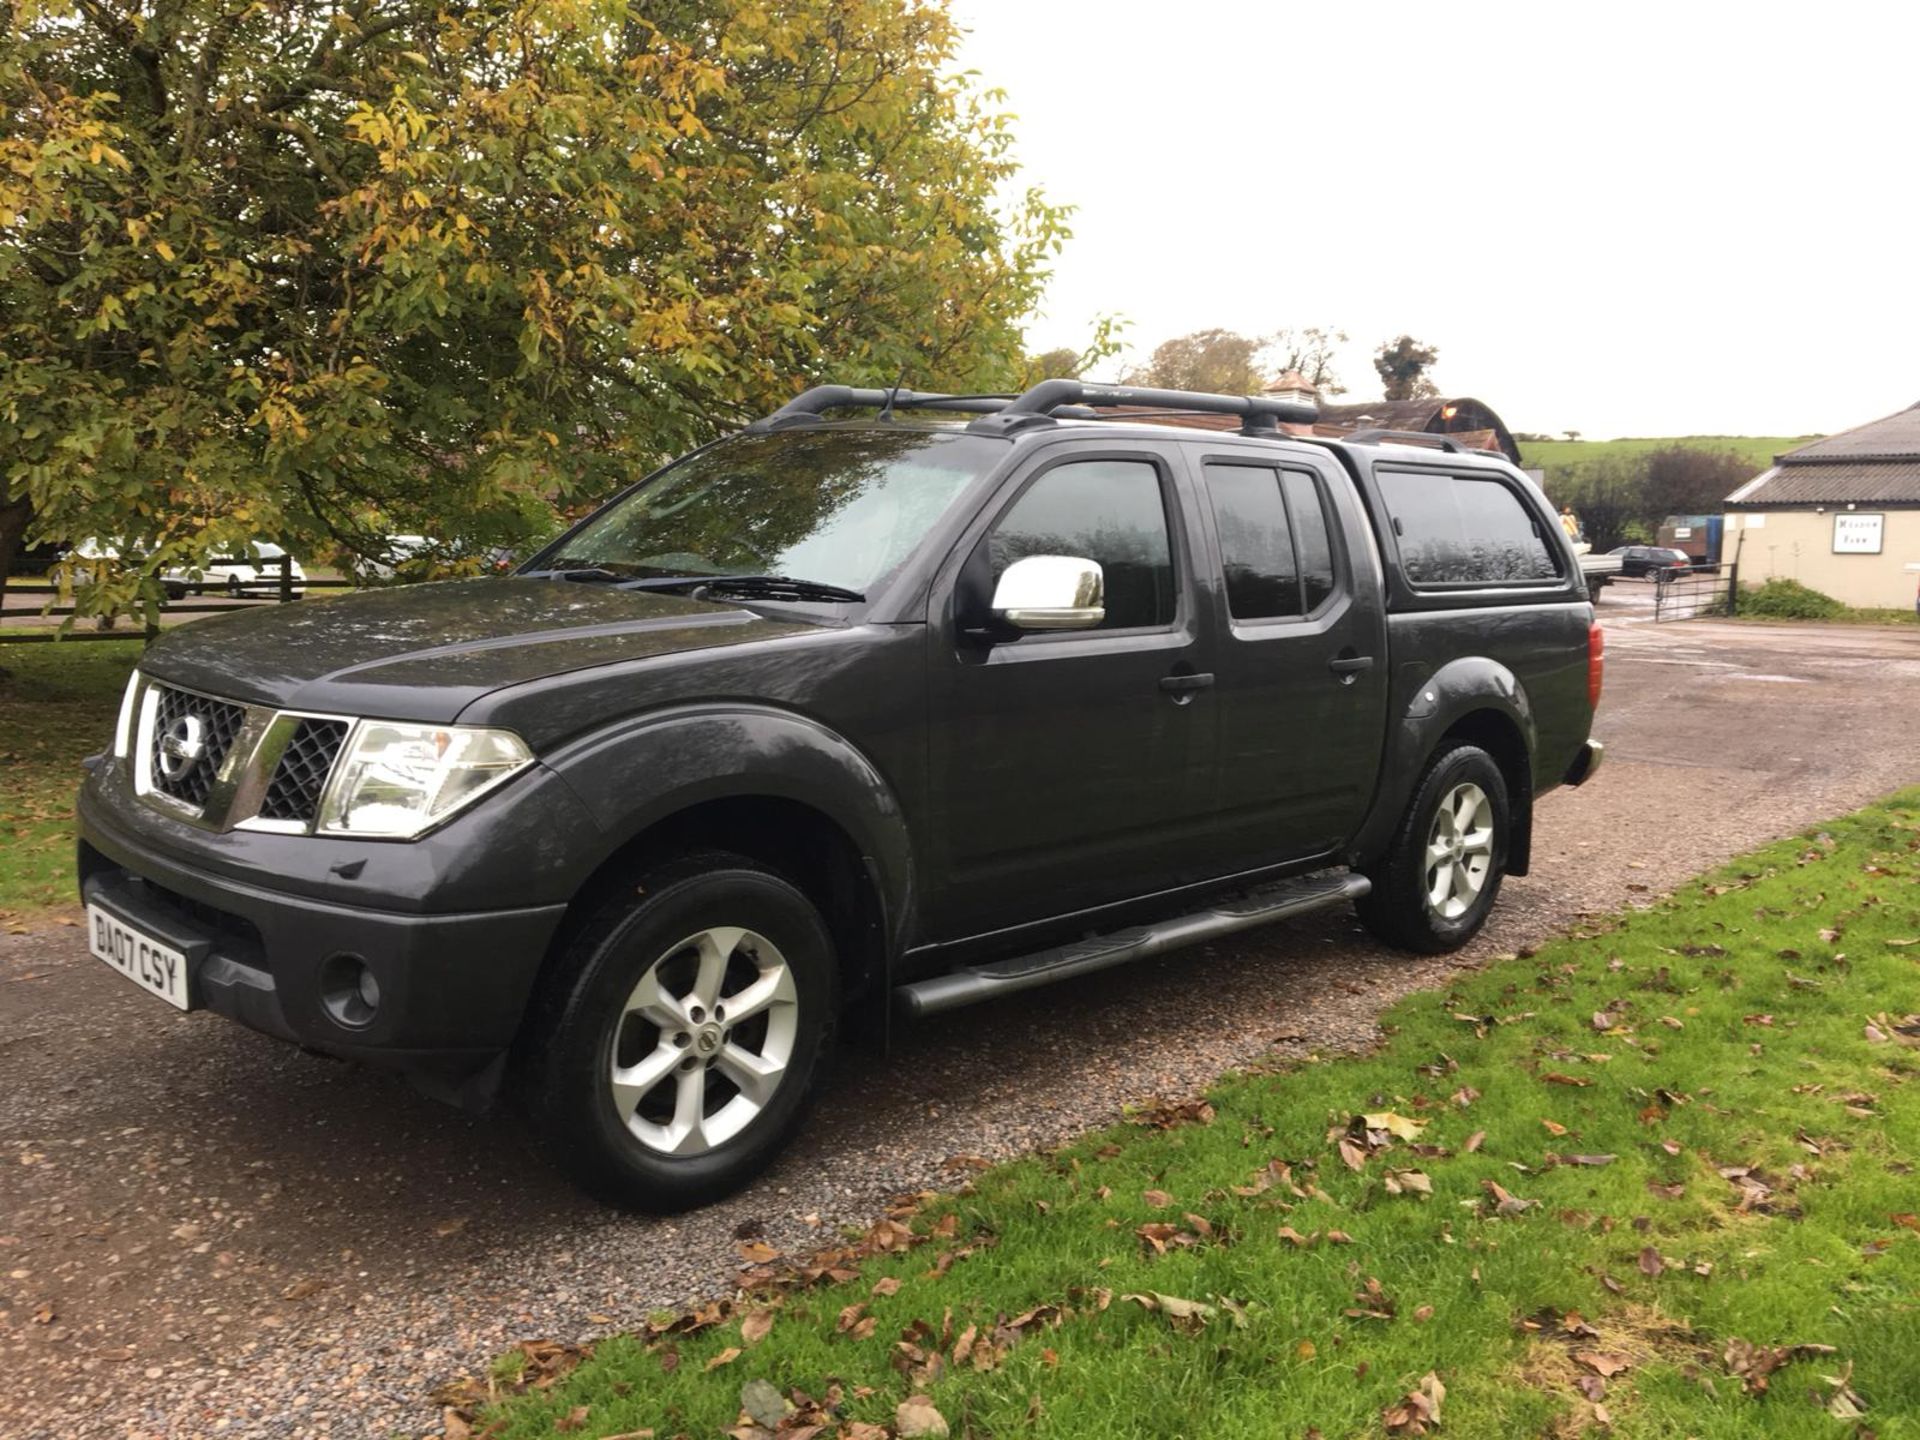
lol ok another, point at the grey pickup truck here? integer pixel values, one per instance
(891, 703)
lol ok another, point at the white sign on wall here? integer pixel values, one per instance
(1855, 534)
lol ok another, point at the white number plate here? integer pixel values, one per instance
(142, 959)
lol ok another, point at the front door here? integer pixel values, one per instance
(1301, 661)
(1069, 770)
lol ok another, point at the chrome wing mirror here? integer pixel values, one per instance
(1051, 592)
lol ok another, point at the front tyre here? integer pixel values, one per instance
(1433, 889)
(675, 1050)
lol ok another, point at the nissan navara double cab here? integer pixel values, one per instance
(838, 720)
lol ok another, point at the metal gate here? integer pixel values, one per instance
(1697, 594)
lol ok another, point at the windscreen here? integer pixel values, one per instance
(838, 507)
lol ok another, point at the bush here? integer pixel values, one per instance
(1790, 600)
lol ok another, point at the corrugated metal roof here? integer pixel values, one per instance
(1894, 437)
(1866, 482)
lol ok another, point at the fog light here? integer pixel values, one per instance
(349, 991)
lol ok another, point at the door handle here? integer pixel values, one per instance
(1185, 684)
(1348, 666)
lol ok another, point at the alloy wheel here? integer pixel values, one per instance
(1459, 851)
(704, 1041)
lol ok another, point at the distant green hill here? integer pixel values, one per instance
(1758, 450)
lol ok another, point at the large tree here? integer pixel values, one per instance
(1402, 365)
(1309, 352)
(1217, 361)
(305, 270)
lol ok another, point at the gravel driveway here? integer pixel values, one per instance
(205, 1232)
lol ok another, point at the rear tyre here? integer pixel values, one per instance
(675, 1050)
(1433, 889)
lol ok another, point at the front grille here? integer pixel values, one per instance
(190, 740)
(294, 791)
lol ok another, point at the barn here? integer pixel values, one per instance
(1841, 515)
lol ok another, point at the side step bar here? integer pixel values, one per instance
(994, 978)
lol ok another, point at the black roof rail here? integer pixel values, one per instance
(1259, 414)
(1406, 437)
(808, 407)
(1431, 438)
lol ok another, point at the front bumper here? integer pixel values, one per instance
(452, 987)
(1586, 763)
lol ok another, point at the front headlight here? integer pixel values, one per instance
(396, 781)
(123, 727)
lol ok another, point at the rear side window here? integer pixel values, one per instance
(1465, 530)
(1274, 547)
(1111, 511)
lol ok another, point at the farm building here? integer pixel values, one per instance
(1841, 515)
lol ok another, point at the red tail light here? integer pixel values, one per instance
(1596, 663)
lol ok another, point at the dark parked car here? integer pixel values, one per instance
(836, 722)
(1640, 562)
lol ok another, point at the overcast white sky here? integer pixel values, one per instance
(1625, 219)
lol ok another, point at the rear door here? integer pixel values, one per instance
(1301, 659)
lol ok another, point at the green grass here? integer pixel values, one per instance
(1724, 1027)
(1757, 450)
(57, 703)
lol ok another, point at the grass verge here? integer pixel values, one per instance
(1653, 1181)
(57, 703)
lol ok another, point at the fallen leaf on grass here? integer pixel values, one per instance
(1504, 1201)
(574, 1419)
(1396, 1125)
(1554, 1077)
(725, 1357)
(757, 1326)
(1371, 1302)
(1592, 1161)
(1167, 1115)
(1419, 1410)
(887, 1285)
(1475, 1141)
(1650, 1262)
(1602, 1364)
(1751, 1364)
(916, 1417)
(1400, 1181)
(1187, 1316)
(1157, 1199)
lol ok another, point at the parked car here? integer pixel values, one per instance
(1640, 562)
(256, 571)
(395, 552)
(837, 723)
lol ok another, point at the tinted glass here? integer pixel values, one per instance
(1109, 511)
(845, 507)
(1310, 537)
(1455, 530)
(1256, 542)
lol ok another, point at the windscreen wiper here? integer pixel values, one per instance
(586, 573)
(779, 587)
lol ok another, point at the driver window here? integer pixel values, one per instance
(1110, 511)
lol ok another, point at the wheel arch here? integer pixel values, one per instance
(774, 787)
(1473, 700)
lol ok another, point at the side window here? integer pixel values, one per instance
(1309, 509)
(1256, 542)
(1274, 544)
(1110, 511)
(1464, 530)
